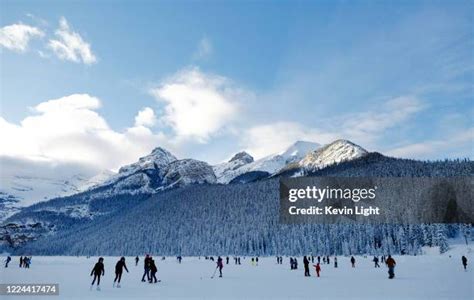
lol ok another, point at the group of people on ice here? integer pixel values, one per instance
(149, 265)
(389, 261)
(25, 262)
(150, 269)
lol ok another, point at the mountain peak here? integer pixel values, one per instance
(242, 156)
(298, 150)
(158, 158)
(332, 153)
(158, 151)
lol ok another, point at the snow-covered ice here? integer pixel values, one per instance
(429, 276)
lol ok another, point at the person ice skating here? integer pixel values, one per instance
(376, 262)
(318, 269)
(98, 271)
(21, 261)
(256, 260)
(252, 261)
(335, 262)
(146, 266)
(324, 259)
(227, 260)
(7, 261)
(153, 270)
(306, 266)
(464, 262)
(119, 270)
(327, 259)
(26, 262)
(180, 258)
(220, 265)
(390, 262)
(353, 261)
(137, 260)
(383, 259)
(319, 259)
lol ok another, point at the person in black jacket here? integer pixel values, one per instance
(98, 271)
(119, 270)
(136, 261)
(7, 261)
(464, 262)
(146, 266)
(220, 265)
(153, 270)
(376, 262)
(306, 266)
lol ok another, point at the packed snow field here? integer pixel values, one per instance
(417, 277)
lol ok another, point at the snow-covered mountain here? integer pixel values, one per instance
(162, 170)
(225, 172)
(23, 190)
(243, 163)
(158, 159)
(154, 172)
(188, 171)
(333, 153)
(132, 189)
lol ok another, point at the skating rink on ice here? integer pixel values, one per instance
(417, 277)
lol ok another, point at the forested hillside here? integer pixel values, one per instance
(234, 219)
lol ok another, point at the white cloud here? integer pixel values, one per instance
(204, 48)
(368, 126)
(364, 128)
(17, 36)
(40, 21)
(263, 140)
(69, 45)
(146, 117)
(197, 105)
(458, 144)
(69, 130)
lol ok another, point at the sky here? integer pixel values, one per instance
(93, 85)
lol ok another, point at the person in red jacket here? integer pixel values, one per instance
(318, 269)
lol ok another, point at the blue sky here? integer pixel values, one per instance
(213, 77)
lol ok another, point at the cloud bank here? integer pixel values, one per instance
(16, 37)
(69, 45)
(197, 105)
(70, 130)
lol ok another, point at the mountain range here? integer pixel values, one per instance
(158, 184)
(161, 170)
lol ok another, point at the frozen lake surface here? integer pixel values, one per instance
(429, 276)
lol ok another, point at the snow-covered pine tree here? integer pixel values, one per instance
(441, 238)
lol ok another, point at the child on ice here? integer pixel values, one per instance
(318, 269)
